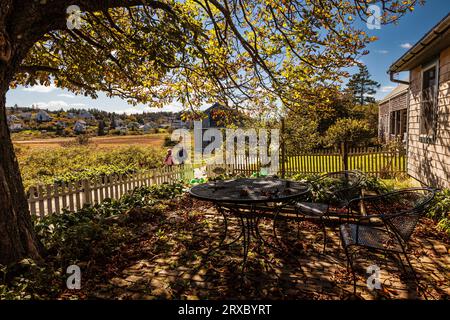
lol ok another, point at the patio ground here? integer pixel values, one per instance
(168, 261)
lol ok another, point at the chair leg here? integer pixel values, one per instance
(399, 257)
(324, 230)
(350, 266)
(353, 274)
(412, 269)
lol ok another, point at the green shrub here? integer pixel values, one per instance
(168, 142)
(87, 237)
(372, 183)
(83, 139)
(321, 187)
(440, 210)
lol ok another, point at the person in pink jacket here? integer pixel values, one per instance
(168, 161)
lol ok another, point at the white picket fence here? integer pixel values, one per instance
(46, 199)
(73, 196)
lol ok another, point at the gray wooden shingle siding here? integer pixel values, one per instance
(395, 101)
(429, 161)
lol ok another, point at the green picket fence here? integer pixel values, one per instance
(374, 161)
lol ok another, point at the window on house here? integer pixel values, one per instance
(398, 122)
(429, 101)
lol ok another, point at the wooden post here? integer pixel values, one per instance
(344, 151)
(87, 191)
(283, 150)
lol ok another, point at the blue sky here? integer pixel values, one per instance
(394, 40)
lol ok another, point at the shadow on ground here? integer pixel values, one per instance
(170, 261)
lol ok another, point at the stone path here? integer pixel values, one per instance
(181, 269)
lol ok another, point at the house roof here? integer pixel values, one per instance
(398, 90)
(213, 107)
(433, 42)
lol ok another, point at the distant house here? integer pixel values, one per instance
(70, 115)
(218, 116)
(12, 118)
(211, 120)
(179, 124)
(25, 116)
(80, 126)
(148, 127)
(119, 123)
(164, 125)
(86, 115)
(122, 129)
(393, 110)
(43, 116)
(14, 127)
(428, 125)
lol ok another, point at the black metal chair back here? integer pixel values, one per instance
(400, 210)
(344, 185)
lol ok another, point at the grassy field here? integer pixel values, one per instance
(68, 161)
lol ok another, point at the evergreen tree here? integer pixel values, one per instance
(101, 128)
(362, 87)
(113, 124)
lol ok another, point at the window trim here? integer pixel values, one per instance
(425, 138)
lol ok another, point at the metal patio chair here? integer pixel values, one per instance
(340, 188)
(387, 227)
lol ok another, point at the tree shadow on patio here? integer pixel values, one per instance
(171, 262)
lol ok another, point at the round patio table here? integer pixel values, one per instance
(249, 200)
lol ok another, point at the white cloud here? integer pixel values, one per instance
(406, 45)
(40, 89)
(66, 95)
(387, 88)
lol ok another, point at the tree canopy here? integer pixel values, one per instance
(234, 52)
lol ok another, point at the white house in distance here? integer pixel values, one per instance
(122, 129)
(43, 116)
(26, 116)
(14, 127)
(86, 115)
(14, 123)
(149, 126)
(12, 118)
(428, 105)
(80, 126)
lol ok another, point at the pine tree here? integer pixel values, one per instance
(113, 124)
(101, 128)
(362, 87)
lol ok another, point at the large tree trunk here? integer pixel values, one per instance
(17, 236)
